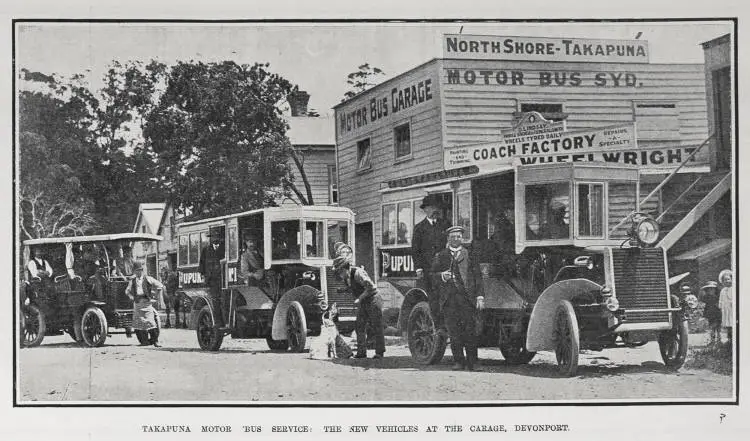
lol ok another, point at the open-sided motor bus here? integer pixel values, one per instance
(85, 295)
(582, 271)
(298, 286)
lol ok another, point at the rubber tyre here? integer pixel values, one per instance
(425, 345)
(93, 327)
(209, 337)
(296, 327)
(516, 353)
(277, 345)
(673, 345)
(34, 325)
(567, 339)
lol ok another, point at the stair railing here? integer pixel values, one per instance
(679, 198)
(663, 183)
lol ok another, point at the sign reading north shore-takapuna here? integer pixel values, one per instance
(615, 144)
(486, 47)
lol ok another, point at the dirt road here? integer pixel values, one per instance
(245, 371)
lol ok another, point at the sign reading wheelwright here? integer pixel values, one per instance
(486, 47)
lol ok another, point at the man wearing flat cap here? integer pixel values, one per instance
(461, 296)
(428, 240)
(210, 267)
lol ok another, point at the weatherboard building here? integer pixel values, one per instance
(457, 127)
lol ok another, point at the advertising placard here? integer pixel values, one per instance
(616, 144)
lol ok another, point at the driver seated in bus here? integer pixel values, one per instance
(251, 263)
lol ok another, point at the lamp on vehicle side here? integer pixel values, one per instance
(611, 303)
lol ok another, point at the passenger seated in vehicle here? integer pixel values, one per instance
(558, 229)
(124, 263)
(38, 267)
(251, 263)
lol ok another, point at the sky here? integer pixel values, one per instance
(316, 56)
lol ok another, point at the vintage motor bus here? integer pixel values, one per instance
(86, 306)
(580, 272)
(298, 286)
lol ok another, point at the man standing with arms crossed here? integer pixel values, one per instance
(428, 240)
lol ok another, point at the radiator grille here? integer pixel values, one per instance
(344, 300)
(640, 283)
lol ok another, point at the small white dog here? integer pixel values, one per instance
(323, 347)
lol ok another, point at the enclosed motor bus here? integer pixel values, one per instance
(297, 287)
(581, 270)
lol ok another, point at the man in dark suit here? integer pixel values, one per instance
(428, 240)
(210, 267)
(460, 295)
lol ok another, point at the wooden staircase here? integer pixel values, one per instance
(691, 205)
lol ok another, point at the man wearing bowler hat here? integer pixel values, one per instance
(210, 267)
(428, 240)
(460, 296)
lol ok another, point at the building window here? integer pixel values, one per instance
(463, 208)
(657, 121)
(364, 155)
(398, 223)
(550, 111)
(333, 185)
(402, 141)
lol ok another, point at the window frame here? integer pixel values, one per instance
(521, 102)
(469, 234)
(333, 185)
(396, 158)
(605, 210)
(368, 167)
(571, 221)
(412, 202)
(674, 135)
(322, 244)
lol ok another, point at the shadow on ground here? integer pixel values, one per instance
(501, 366)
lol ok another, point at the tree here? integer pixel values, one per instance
(218, 137)
(90, 135)
(362, 79)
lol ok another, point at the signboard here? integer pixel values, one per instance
(396, 262)
(533, 123)
(490, 47)
(615, 144)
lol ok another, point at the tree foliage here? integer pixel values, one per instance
(73, 149)
(362, 79)
(218, 134)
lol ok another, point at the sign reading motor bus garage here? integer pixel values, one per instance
(615, 144)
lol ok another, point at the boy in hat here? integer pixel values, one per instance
(428, 240)
(460, 295)
(145, 316)
(366, 297)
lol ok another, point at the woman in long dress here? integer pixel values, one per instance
(726, 301)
